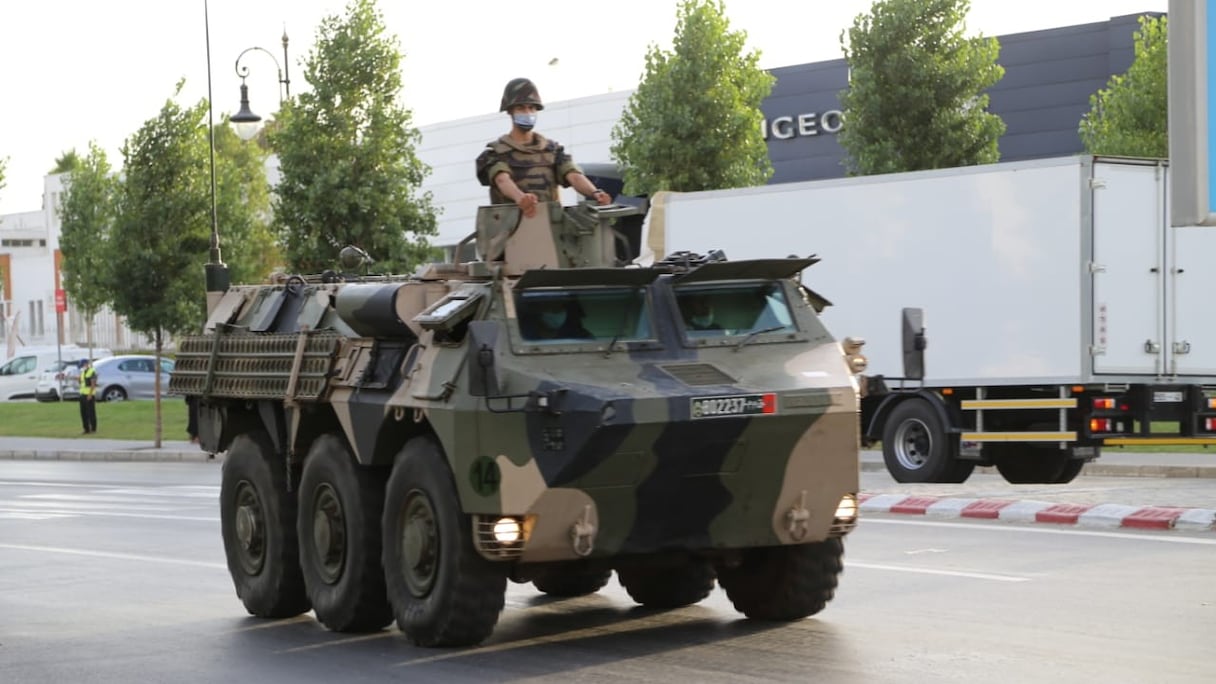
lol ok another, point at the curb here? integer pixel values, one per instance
(1100, 470)
(145, 456)
(1101, 516)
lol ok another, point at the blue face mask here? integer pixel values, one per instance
(702, 321)
(553, 319)
(525, 120)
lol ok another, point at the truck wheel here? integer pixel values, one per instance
(258, 524)
(915, 447)
(784, 582)
(442, 591)
(572, 583)
(339, 531)
(664, 586)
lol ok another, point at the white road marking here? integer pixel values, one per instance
(60, 513)
(988, 526)
(114, 556)
(849, 564)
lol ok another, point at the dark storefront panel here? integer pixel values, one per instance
(1049, 77)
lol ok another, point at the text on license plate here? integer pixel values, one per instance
(736, 405)
(1167, 397)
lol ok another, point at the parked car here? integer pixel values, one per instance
(131, 376)
(59, 382)
(20, 375)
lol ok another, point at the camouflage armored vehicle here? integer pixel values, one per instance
(401, 447)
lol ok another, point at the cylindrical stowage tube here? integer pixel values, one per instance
(371, 309)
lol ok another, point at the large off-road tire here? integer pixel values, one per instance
(665, 586)
(442, 591)
(339, 530)
(572, 583)
(784, 582)
(258, 524)
(916, 448)
(1034, 464)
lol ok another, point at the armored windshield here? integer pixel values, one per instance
(582, 314)
(734, 309)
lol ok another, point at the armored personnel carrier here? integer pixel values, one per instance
(401, 447)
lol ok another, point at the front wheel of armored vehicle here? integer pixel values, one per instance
(664, 586)
(442, 591)
(339, 531)
(784, 582)
(571, 583)
(258, 524)
(915, 446)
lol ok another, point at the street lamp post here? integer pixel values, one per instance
(245, 121)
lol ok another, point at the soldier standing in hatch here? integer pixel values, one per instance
(524, 167)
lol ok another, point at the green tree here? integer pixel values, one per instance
(349, 171)
(162, 226)
(86, 212)
(916, 96)
(1128, 117)
(249, 246)
(67, 162)
(3, 165)
(694, 122)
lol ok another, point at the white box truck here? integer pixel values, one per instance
(1021, 315)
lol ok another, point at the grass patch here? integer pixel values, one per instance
(126, 420)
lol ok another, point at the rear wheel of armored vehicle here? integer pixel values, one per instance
(666, 586)
(1034, 463)
(916, 448)
(573, 582)
(258, 524)
(442, 591)
(784, 582)
(339, 530)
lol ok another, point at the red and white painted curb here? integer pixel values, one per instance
(1079, 515)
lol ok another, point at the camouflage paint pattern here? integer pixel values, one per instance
(615, 456)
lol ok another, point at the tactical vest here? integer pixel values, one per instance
(86, 382)
(534, 171)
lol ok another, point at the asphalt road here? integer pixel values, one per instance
(114, 572)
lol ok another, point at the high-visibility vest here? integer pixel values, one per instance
(87, 378)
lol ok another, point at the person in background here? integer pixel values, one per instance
(525, 168)
(88, 397)
(192, 418)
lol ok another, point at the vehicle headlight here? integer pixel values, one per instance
(846, 510)
(507, 531)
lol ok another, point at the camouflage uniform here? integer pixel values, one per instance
(539, 167)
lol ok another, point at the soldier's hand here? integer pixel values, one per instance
(602, 197)
(527, 203)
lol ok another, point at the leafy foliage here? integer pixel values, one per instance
(694, 122)
(3, 166)
(86, 212)
(67, 162)
(916, 95)
(162, 226)
(349, 171)
(1128, 117)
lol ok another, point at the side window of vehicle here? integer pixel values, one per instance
(24, 364)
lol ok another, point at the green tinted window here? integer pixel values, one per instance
(735, 309)
(593, 314)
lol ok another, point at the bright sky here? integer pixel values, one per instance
(72, 71)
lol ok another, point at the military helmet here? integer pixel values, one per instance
(520, 91)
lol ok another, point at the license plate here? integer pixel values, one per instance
(1167, 397)
(736, 405)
